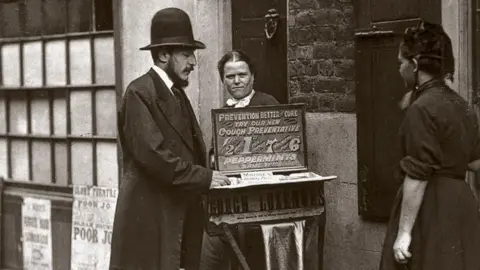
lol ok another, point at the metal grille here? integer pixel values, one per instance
(57, 92)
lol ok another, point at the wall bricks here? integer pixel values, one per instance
(321, 54)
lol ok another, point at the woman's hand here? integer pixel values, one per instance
(401, 246)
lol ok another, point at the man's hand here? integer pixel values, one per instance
(218, 179)
(401, 246)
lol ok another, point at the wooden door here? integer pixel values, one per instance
(269, 55)
(380, 25)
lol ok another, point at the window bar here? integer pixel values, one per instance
(50, 97)
(475, 51)
(7, 113)
(59, 138)
(476, 43)
(1, 59)
(28, 100)
(7, 124)
(1, 36)
(118, 75)
(56, 36)
(67, 58)
(94, 100)
(23, 23)
(52, 142)
(4, 95)
(57, 87)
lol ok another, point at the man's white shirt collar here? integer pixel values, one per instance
(163, 75)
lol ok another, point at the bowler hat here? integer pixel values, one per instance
(172, 27)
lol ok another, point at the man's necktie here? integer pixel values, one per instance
(176, 93)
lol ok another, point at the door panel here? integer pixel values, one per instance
(269, 56)
(397, 10)
(378, 92)
(372, 12)
(387, 116)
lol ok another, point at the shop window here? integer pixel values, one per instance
(57, 92)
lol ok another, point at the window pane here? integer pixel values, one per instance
(81, 112)
(33, 18)
(3, 113)
(32, 63)
(10, 19)
(55, 14)
(82, 163)
(18, 112)
(104, 61)
(106, 111)
(11, 64)
(3, 158)
(40, 113)
(20, 162)
(61, 166)
(103, 15)
(41, 162)
(107, 170)
(80, 62)
(79, 16)
(55, 62)
(60, 113)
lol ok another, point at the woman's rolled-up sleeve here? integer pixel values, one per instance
(422, 152)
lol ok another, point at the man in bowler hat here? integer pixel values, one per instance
(159, 220)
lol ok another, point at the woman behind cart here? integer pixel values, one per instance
(435, 223)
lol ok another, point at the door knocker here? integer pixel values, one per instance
(271, 23)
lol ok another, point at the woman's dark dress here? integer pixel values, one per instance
(439, 137)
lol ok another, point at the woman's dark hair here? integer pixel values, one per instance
(235, 55)
(431, 47)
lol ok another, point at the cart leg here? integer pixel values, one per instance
(310, 236)
(236, 249)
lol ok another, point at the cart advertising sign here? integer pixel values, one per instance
(267, 138)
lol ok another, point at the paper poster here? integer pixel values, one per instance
(36, 234)
(92, 223)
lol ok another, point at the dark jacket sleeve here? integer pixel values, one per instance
(145, 141)
(422, 149)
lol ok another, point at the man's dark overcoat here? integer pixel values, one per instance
(163, 177)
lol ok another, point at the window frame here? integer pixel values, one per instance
(7, 91)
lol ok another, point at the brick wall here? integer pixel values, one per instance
(321, 53)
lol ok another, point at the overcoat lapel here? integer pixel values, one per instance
(171, 108)
(197, 132)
